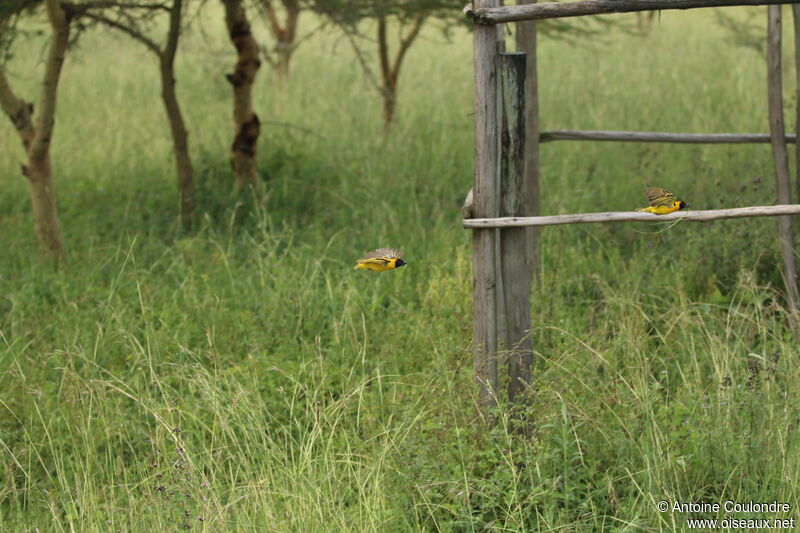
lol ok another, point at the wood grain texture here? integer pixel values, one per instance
(526, 42)
(658, 137)
(780, 155)
(796, 20)
(485, 205)
(516, 276)
(633, 216)
(482, 14)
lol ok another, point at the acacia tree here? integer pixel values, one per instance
(246, 123)
(36, 131)
(132, 18)
(409, 17)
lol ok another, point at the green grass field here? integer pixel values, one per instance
(242, 377)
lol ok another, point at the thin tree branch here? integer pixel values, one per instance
(292, 14)
(131, 32)
(406, 42)
(272, 18)
(308, 35)
(267, 55)
(383, 54)
(8, 100)
(362, 61)
(81, 8)
(308, 131)
(5, 22)
(55, 60)
(174, 30)
(17, 110)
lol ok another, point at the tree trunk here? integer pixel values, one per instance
(390, 69)
(285, 35)
(283, 66)
(18, 110)
(388, 86)
(43, 203)
(180, 137)
(36, 138)
(180, 143)
(286, 40)
(246, 123)
(166, 61)
(389, 97)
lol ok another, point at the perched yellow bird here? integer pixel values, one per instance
(661, 202)
(381, 259)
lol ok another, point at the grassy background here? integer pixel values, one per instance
(244, 378)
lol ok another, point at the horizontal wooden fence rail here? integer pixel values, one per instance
(550, 10)
(633, 216)
(657, 137)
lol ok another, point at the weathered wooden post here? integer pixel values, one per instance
(796, 20)
(485, 205)
(514, 269)
(526, 42)
(779, 153)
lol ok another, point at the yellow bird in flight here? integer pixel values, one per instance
(381, 259)
(662, 202)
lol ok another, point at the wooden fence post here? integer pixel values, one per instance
(485, 205)
(515, 272)
(526, 42)
(779, 153)
(796, 20)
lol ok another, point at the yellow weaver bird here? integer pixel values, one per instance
(381, 259)
(661, 202)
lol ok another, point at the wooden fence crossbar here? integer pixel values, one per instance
(633, 216)
(550, 10)
(657, 136)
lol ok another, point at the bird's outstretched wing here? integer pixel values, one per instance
(657, 196)
(383, 253)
